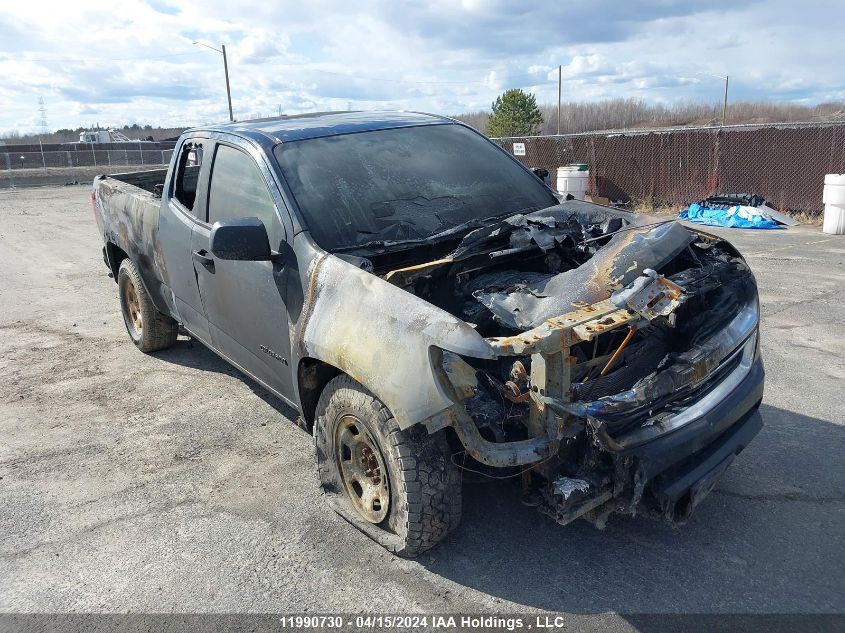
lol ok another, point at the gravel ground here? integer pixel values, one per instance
(171, 483)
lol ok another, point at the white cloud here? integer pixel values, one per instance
(93, 60)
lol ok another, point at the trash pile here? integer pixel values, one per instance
(736, 210)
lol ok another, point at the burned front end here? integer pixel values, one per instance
(625, 372)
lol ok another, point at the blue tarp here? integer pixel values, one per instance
(738, 217)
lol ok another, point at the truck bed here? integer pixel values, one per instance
(146, 180)
(126, 208)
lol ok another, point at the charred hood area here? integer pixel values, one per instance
(518, 272)
(607, 325)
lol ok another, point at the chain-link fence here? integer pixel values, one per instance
(785, 164)
(33, 165)
(83, 158)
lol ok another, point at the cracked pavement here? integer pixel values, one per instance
(172, 483)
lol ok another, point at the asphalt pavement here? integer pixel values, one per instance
(172, 483)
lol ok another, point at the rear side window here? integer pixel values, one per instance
(238, 189)
(187, 175)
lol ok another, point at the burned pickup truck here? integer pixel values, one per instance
(430, 306)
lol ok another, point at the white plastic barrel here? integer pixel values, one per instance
(571, 179)
(833, 197)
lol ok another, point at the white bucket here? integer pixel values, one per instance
(573, 181)
(833, 197)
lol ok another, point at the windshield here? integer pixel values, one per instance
(403, 183)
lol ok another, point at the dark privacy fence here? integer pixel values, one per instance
(785, 163)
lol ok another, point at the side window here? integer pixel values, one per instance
(238, 189)
(190, 161)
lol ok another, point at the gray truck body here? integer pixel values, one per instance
(309, 313)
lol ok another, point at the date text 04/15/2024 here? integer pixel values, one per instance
(412, 622)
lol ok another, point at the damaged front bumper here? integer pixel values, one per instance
(693, 417)
(679, 467)
(668, 465)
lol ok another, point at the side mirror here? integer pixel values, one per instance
(243, 239)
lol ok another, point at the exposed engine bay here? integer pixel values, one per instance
(606, 323)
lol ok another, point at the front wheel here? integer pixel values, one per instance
(148, 328)
(400, 488)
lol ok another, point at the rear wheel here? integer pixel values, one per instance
(148, 328)
(400, 488)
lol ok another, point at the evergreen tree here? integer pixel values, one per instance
(515, 113)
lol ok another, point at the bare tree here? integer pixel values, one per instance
(616, 114)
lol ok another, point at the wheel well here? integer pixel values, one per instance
(116, 256)
(312, 377)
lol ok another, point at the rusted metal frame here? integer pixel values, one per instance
(565, 331)
(551, 374)
(551, 363)
(500, 454)
(705, 357)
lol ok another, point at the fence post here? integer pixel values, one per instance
(11, 174)
(716, 160)
(43, 162)
(141, 152)
(108, 155)
(70, 163)
(93, 153)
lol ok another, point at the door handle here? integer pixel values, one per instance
(205, 259)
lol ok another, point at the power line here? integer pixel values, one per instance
(525, 81)
(386, 79)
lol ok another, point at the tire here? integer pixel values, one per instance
(424, 485)
(148, 328)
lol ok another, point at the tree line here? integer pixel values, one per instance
(516, 113)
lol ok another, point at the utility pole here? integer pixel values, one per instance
(726, 79)
(222, 50)
(559, 83)
(42, 110)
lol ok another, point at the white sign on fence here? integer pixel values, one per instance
(519, 149)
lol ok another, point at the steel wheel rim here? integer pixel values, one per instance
(133, 307)
(362, 469)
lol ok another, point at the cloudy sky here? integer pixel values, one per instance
(135, 61)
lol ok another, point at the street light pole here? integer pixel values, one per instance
(229, 90)
(222, 50)
(559, 82)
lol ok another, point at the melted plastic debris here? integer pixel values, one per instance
(524, 303)
(565, 486)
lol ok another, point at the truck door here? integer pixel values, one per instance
(245, 301)
(181, 210)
